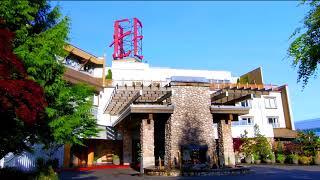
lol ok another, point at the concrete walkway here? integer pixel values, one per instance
(261, 172)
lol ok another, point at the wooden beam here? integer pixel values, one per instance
(239, 99)
(219, 96)
(162, 98)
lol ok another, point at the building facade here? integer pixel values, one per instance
(152, 116)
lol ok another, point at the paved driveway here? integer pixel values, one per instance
(261, 172)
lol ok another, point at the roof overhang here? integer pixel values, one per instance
(135, 109)
(83, 54)
(223, 109)
(284, 133)
(231, 94)
(124, 96)
(75, 77)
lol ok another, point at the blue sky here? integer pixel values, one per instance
(232, 36)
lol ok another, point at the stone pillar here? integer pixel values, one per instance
(127, 146)
(67, 153)
(147, 143)
(226, 151)
(190, 123)
(167, 143)
(90, 155)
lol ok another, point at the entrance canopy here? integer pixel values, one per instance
(230, 94)
(123, 96)
(154, 98)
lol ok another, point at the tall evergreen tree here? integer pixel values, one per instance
(41, 34)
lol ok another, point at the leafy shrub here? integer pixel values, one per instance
(281, 158)
(256, 157)
(305, 160)
(54, 163)
(317, 158)
(261, 145)
(292, 148)
(47, 174)
(247, 144)
(109, 75)
(237, 142)
(309, 143)
(272, 157)
(40, 164)
(293, 158)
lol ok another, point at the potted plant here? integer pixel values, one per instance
(115, 160)
(281, 158)
(272, 158)
(246, 147)
(317, 158)
(248, 159)
(304, 160)
(256, 158)
(293, 158)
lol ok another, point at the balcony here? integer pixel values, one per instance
(74, 76)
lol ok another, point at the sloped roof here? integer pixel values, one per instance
(83, 54)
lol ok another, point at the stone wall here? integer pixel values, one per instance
(190, 123)
(147, 143)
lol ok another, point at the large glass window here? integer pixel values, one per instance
(274, 121)
(270, 102)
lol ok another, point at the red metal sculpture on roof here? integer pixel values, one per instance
(127, 39)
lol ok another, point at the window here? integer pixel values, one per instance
(245, 103)
(243, 121)
(274, 121)
(270, 102)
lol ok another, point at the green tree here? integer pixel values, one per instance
(305, 48)
(247, 144)
(109, 75)
(41, 34)
(309, 142)
(261, 146)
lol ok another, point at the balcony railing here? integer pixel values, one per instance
(275, 125)
(77, 67)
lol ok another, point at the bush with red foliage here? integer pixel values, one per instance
(20, 97)
(237, 142)
(292, 147)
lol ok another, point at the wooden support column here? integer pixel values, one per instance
(226, 151)
(66, 157)
(147, 143)
(90, 154)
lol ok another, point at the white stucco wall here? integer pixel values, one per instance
(97, 72)
(102, 118)
(137, 71)
(260, 115)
